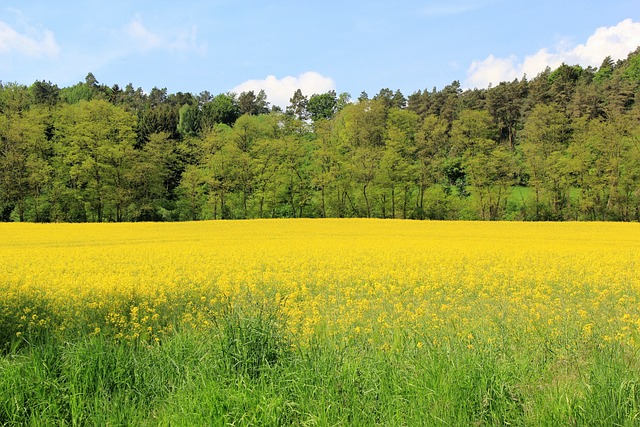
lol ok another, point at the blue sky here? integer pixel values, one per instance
(348, 46)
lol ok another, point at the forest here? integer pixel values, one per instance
(563, 145)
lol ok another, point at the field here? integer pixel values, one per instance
(320, 322)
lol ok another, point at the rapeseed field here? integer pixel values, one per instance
(374, 278)
(538, 303)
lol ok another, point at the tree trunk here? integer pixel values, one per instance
(366, 200)
(393, 202)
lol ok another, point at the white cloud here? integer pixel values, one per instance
(188, 41)
(146, 40)
(28, 41)
(617, 41)
(279, 91)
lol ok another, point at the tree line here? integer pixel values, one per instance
(564, 145)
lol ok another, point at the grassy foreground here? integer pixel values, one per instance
(194, 380)
(312, 322)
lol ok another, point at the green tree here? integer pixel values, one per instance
(189, 122)
(332, 173)
(220, 170)
(96, 140)
(605, 71)
(361, 131)
(14, 185)
(294, 173)
(488, 167)
(246, 131)
(297, 107)
(446, 103)
(46, 93)
(221, 109)
(605, 155)
(323, 106)
(491, 174)
(545, 138)
(564, 80)
(432, 150)
(397, 166)
(158, 118)
(250, 103)
(79, 92)
(25, 151)
(151, 178)
(390, 99)
(192, 191)
(266, 155)
(504, 102)
(321, 164)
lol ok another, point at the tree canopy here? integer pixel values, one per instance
(563, 145)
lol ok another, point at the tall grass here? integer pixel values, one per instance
(246, 372)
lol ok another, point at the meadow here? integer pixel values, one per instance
(320, 322)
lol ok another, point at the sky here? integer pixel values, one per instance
(350, 46)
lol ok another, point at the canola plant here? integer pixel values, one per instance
(423, 283)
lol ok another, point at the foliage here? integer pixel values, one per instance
(570, 135)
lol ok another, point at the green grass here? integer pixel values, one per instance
(248, 373)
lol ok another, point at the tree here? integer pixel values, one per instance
(245, 131)
(397, 167)
(158, 118)
(491, 174)
(322, 106)
(361, 130)
(45, 93)
(151, 178)
(488, 167)
(267, 153)
(331, 172)
(563, 82)
(322, 162)
(504, 102)
(298, 106)
(343, 100)
(545, 137)
(250, 103)
(631, 67)
(605, 155)
(605, 71)
(539, 91)
(96, 141)
(37, 128)
(570, 134)
(295, 182)
(473, 133)
(221, 109)
(133, 100)
(445, 103)
(432, 149)
(192, 192)
(266, 157)
(157, 97)
(189, 123)
(79, 92)
(419, 102)
(204, 98)
(13, 168)
(25, 151)
(220, 170)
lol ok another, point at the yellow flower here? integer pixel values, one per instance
(340, 277)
